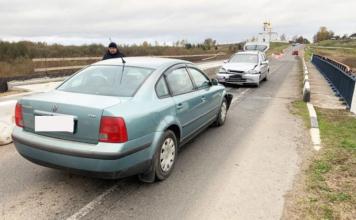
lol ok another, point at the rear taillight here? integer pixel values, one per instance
(18, 115)
(112, 130)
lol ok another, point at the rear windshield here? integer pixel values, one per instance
(261, 48)
(244, 58)
(107, 80)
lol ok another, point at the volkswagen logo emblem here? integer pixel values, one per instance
(54, 108)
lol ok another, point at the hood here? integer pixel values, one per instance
(239, 66)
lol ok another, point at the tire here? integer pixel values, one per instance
(267, 76)
(165, 156)
(221, 118)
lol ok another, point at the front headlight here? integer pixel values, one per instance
(252, 72)
(222, 70)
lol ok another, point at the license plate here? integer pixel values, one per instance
(236, 76)
(54, 123)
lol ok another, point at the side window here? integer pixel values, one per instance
(161, 88)
(199, 78)
(179, 81)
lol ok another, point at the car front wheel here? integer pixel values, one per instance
(267, 76)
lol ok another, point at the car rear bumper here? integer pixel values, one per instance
(241, 80)
(103, 160)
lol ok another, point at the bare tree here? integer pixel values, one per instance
(323, 34)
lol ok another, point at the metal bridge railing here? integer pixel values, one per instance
(340, 76)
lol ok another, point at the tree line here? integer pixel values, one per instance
(28, 50)
(325, 34)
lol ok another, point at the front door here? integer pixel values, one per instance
(187, 100)
(208, 93)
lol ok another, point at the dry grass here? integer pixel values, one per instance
(16, 68)
(343, 51)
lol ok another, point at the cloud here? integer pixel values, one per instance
(132, 21)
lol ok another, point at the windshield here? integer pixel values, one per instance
(107, 80)
(244, 58)
(261, 48)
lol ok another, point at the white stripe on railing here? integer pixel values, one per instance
(353, 102)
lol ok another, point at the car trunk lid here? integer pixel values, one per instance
(86, 110)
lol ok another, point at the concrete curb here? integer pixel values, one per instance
(6, 121)
(314, 125)
(5, 133)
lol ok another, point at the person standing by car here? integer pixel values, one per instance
(113, 52)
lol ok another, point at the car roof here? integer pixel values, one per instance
(147, 62)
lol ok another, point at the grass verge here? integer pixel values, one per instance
(329, 188)
(277, 47)
(343, 51)
(300, 108)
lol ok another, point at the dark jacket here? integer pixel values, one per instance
(108, 55)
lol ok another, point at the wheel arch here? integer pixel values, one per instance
(176, 130)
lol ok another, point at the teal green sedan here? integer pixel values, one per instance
(114, 119)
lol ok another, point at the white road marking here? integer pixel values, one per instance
(91, 205)
(240, 95)
(211, 64)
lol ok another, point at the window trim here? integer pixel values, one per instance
(169, 71)
(162, 77)
(200, 71)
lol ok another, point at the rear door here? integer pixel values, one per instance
(187, 100)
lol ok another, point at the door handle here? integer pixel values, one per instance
(179, 106)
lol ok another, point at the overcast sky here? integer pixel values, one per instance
(130, 21)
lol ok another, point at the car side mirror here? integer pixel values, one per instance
(214, 82)
(226, 61)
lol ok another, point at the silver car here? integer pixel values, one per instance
(249, 67)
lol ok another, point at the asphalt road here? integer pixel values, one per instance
(239, 171)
